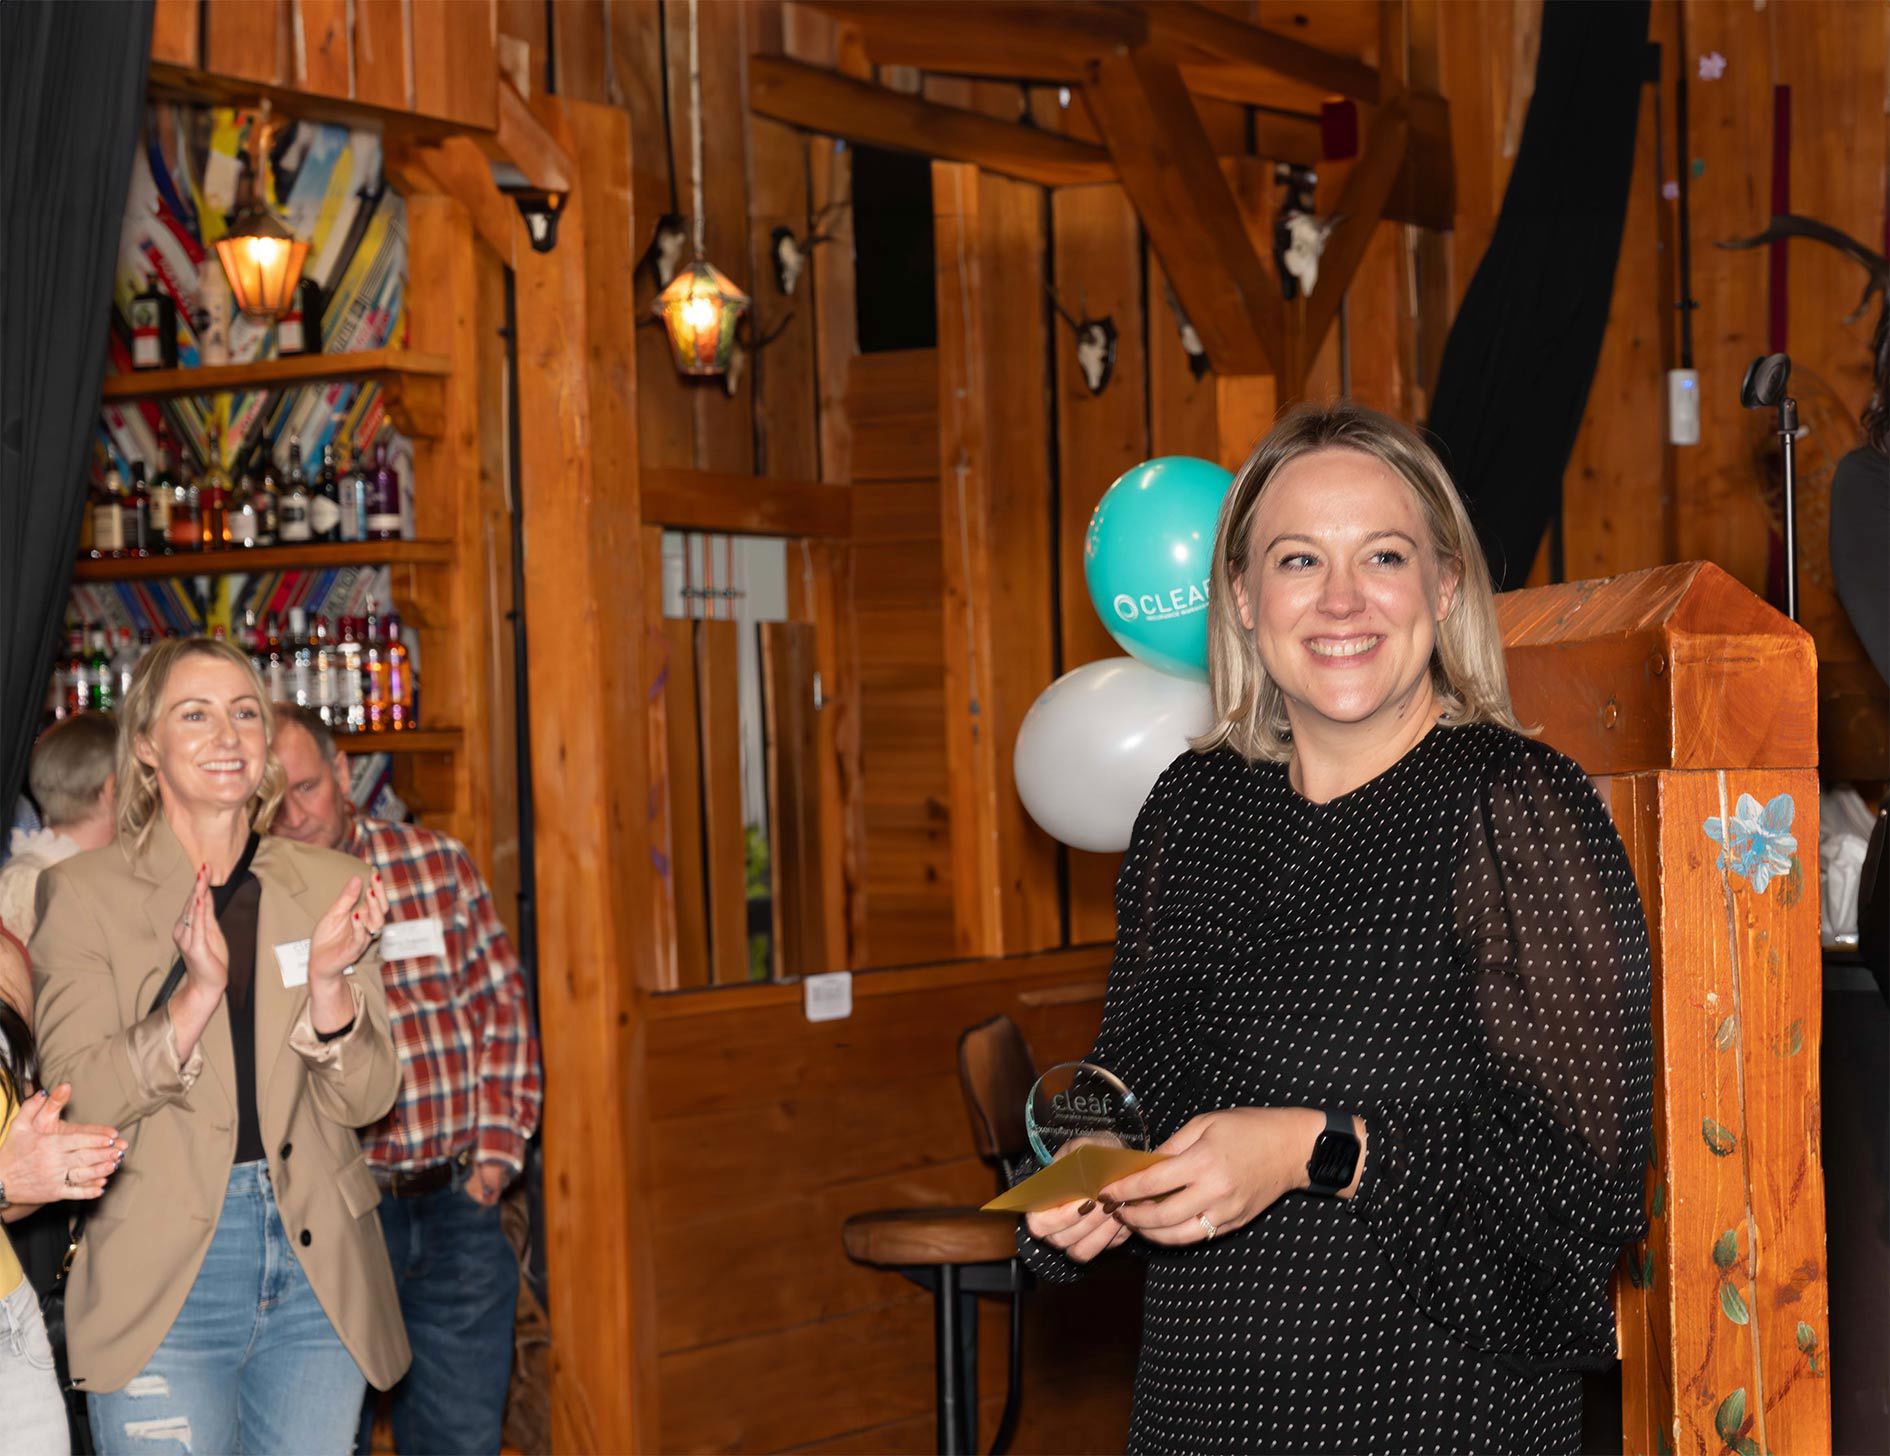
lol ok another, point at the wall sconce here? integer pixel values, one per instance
(261, 258)
(541, 211)
(701, 309)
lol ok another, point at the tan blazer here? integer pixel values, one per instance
(102, 949)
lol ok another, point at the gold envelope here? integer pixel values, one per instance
(1082, 1173)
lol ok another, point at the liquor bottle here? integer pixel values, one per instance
(299, 330)
(383, 521)
(78, 685)
(292, 514)
(163, 491)
(350, 702)
(266, 496)
(374, 674)
(244, 520)
(216, 309)
(324, 504)
(356, 490)
(213, 495)
(275, 664)
(124, 663)
(153, 328)
(104, 503)
(301, 660)
(322, 682)
(403, 692)
(98, 668)
(136, 514)
(184, 533)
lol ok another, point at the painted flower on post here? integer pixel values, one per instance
(1755, 841)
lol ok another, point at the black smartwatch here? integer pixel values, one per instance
(1334, 1158)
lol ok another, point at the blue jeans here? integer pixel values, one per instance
(458, 1281)
(251, 1364)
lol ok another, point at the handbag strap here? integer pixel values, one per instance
(220, 897)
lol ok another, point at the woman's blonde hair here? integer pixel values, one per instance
(1467, 670)
(138, 802)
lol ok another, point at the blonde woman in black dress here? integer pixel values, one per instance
(1382, 982)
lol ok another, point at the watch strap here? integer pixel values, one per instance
(1334, 1161)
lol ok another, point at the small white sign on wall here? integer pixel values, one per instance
(829, 997)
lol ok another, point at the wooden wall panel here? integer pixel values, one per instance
(903, 790)
(1098, 267)
(248, 39)
(579, 42)
(174, 31)
(757, 1291)
(380, 53)
(718, 701)
(454, 44)
(321, 55)
(967, 500)
(785, 373)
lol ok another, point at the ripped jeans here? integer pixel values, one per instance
(251, 1364)
(32, 1411)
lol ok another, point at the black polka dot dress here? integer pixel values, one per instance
(1456, 952)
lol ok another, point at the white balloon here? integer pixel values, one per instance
(1093, 744)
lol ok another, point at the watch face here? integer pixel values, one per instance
(1334, 1160)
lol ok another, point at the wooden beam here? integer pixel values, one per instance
(1198, 33)
(745, 505)
(1362, 202)
(578, 485)
(457, 168)
(523, 142)
(1168, 166)
(836, 105)
(1049, 42)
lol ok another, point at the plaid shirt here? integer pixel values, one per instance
(469, 1057)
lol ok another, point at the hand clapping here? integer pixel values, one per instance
(345, 931)
(199, 939)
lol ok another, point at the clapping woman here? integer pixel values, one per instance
(1382, 980)
(232, 1290)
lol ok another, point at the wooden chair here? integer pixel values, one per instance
(961, 1253)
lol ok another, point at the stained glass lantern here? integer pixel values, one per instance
(701, 309)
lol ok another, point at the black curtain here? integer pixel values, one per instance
(71, 98)
(1521, 353)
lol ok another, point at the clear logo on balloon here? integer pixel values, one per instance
(1180, 602)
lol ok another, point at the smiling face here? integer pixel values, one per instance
(206, 740)
(1343, 591)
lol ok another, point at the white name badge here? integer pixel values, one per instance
(407, 940)
(292, 959)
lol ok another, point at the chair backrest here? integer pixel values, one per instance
(997, 1069)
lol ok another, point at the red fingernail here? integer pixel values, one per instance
(357, 915)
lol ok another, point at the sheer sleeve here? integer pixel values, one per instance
(1138, 891)
(1503, 1210)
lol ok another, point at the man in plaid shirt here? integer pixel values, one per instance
(470, 1091)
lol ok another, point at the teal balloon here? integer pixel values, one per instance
(1148, 557)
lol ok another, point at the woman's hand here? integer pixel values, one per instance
(44, 1160)
(1225, 1167)
(199, 940)
(1081, 1230)
(344, 933)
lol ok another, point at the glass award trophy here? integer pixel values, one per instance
(1087, 1129)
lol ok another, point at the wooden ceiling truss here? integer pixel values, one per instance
(1138, 65)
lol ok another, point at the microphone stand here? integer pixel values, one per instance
(1764, 387)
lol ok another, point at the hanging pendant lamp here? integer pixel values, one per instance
(261, 258)
(702, 308)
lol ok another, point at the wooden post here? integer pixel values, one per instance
(584, 605)
(1693, 701)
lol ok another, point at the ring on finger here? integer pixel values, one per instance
(1207, 1224)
